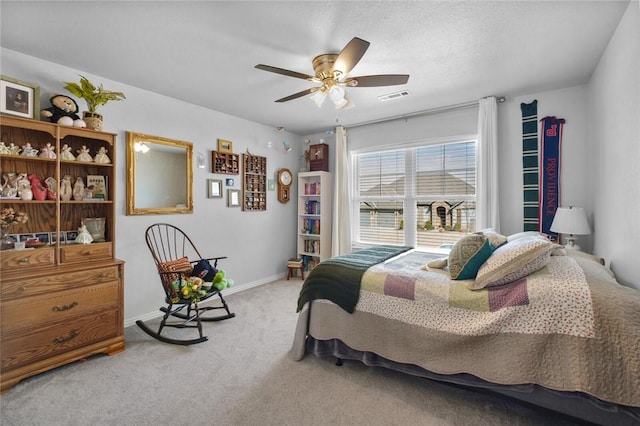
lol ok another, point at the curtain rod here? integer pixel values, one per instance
(499, 99)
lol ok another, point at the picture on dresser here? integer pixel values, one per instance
(19, 97)
(43, 237)
(71, 236)
(53, 238)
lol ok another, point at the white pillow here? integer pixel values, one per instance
(512, 261)
(524, 234)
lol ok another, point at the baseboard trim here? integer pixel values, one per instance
(226, 292)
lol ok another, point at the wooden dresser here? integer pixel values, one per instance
(60, 301)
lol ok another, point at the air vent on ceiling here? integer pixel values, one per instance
(393, 95)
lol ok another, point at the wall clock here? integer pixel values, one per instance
(285, 178)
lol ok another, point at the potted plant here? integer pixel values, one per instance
(94, 97)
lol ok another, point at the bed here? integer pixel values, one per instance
(565, 336)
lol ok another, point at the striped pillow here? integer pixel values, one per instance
(178, 265)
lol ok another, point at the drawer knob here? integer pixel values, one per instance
(63, 339)
(65, 307)
(24, 260)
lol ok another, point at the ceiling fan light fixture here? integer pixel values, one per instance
(336, 93)
(318, 98)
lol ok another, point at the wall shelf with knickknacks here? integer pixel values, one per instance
(225, 163)
(254, 182)
(36, 333)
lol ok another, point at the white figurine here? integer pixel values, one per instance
(66, 190)
(66, 154)
(83, 154)
(24, 187)
(78, 189)
(83, 235)
(29, 151)
(4, 149)
(13, 149)
(101, 156)
(10, 185)
(48, 151)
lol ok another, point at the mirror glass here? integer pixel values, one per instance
(159, 175)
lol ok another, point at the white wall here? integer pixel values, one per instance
(570, 104)
(257, 243)
(614, 142)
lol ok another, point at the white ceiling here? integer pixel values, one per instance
(205, 52)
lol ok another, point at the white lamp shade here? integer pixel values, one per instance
(318, 98)
(570, 220)
(336, 93)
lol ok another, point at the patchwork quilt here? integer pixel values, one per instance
(556, 299)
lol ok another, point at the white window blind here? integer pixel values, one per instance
(420, 196)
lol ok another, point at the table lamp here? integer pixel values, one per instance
(571, 221)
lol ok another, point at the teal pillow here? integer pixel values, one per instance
(467, 256)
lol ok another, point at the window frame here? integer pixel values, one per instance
(410, 198)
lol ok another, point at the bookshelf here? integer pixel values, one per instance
(314, 217)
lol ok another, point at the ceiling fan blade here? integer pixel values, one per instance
(282, 71)
(299, 94)
(350, 55)
(377, 80)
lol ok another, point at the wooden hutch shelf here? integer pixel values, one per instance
(60, 301)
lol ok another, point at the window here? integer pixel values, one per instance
(421, 196)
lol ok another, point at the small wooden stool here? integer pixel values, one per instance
(292, 271)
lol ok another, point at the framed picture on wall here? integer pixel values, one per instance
(214, 188)
(225, 146)
(233, 198)
(19, 97)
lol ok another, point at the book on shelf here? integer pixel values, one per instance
(96, 188)
(312, 188)
(312, 207)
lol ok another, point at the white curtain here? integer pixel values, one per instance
(487, 207)
(341, 229)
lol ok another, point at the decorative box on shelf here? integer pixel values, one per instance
(319, 157)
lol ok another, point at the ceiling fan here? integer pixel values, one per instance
(331, 71)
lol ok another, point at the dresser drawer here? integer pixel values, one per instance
(84, 252)
(29, 258)
(18, 288)
(20, 348)
(57, 306)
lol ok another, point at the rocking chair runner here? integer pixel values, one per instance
(174, 255)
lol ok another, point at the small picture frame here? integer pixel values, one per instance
(200, 160)
(19, 98)
(43, 237)
(214, 188)
(229, 182)
(225, 146)
(70, 237)
(271, 186)
(233, 198)
(53, 238)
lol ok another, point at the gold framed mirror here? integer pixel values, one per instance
(159, 175)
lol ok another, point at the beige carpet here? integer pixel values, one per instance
(242, 376)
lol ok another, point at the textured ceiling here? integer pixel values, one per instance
(205, 52)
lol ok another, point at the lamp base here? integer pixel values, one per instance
(571, 243)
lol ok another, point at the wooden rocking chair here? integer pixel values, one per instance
(174, 255)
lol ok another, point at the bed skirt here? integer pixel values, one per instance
(575, 404)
